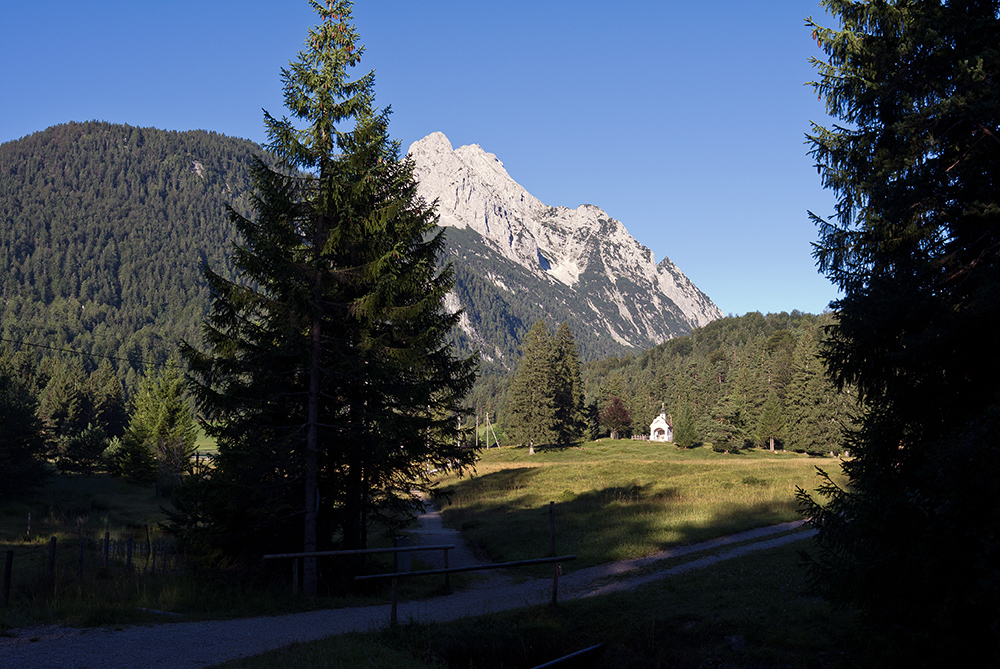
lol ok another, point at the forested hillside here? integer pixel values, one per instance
(103, 231)
(737, 382)
(105, 228)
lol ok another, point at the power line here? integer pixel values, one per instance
(68, 350)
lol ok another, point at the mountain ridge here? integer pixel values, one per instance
(105, 227)
(620, 288)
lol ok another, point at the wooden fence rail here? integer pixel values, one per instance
(454, 570)
(297, 557)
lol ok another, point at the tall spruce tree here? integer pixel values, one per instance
(328, 381)
(531, 394)
(817, 412)
(914, 244)
(570, 419)
(771, 424)
(685, 427)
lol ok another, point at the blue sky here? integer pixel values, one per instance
(684, 120)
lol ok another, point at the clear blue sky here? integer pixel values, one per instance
(684, 120)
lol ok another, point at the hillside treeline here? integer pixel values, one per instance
(103, 232)
(738, 382)
(56, 412)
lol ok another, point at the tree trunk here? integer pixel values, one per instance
(309, 579)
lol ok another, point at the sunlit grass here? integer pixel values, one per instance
(205, 444)
(622, 499)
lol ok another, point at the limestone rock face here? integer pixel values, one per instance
(583, 265)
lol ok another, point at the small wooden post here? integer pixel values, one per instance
(395, 601)
(107, 547)
(8, 569)
(447, 576)
(128, 553)
(79, 529)
(29, 524)
(552, 529)
(52, 557)
(556, 567)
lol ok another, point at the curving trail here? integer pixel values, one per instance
(199, 644)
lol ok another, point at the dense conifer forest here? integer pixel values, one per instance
(737, 382)
(104, 231)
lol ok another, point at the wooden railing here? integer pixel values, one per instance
(297, 557)
(476, 567)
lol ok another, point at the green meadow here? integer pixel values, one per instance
(617, 500)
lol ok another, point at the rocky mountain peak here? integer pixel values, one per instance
(583, 249)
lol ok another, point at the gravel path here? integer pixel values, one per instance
(199, 644)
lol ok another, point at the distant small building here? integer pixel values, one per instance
(660, 429)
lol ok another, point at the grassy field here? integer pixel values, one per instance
(622, 499)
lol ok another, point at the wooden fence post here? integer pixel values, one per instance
(128, 553)
(79, 562)
(8, 569)
(52, 557)
(395, 600)
(556, 567)
(552, 529)
(107, 544)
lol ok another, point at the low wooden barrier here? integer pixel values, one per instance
(454, 570)
(296, 557)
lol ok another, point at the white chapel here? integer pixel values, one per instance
(660, 429)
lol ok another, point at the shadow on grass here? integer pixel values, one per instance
(502, 515)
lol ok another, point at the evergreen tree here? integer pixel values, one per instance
(729, 430)
(817, 412)
(771, 424)
(570, 419)
(160, 439)
(685, 429)
(531, 394)
(914, 246)
(106, 401)
(22, 446)
(329, 383)
(63, 407)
